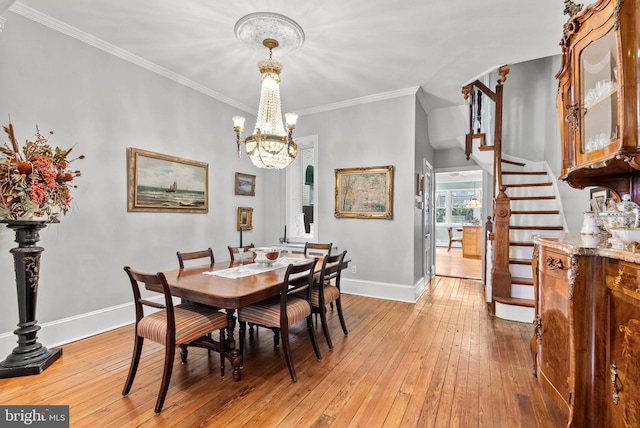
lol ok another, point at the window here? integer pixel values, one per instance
(451, 206)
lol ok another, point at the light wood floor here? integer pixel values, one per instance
(451, 263)
(442, 362)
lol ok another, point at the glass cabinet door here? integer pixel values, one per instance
(599, 94)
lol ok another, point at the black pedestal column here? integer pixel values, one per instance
(29, 357)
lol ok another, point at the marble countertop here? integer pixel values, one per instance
(586, 245)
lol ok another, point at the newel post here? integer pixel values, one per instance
(500, 274)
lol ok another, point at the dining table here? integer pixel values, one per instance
(231, 285)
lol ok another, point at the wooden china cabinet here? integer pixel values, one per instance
(597, 97)
(586, 342)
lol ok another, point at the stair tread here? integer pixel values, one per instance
(536, 212)
(512, 162)
(520, 261)
(536, 227)
(530, 198)
(530, 303)
(542, 184)
(524, 172)
(521, 280)
(521, 244)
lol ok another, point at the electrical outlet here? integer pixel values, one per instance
(354, 269)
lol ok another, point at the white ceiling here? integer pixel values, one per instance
(459, 176)
(353, 48)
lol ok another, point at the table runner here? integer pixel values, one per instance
(254, 268)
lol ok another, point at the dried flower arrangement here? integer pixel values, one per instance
(35, 182)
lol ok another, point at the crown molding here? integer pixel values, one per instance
(362, 100)
(87, 38)
(77, 34)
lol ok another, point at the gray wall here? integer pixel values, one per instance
(101, 105)
(527, 103)
(531, 129)
(453, 159)
(356, 139)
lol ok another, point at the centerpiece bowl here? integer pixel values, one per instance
(628, 235)
(618, 219)
(266, 256)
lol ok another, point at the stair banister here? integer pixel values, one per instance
(500, 274)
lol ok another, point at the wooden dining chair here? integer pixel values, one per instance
(278, 313)
(313, 249)
(326, 290)
(452, 238)
(171, 326)
(234, 251)
(195, 255)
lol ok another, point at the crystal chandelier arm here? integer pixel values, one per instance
(290, 119)
(238, 126)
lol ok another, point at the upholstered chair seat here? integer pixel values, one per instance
(192, 322)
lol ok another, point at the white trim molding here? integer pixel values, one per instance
(383, 290)
(363, 100)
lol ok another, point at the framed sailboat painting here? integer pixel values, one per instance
(163, 183)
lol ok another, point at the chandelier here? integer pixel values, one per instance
(474, 202)
(270, 145)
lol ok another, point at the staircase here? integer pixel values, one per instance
(525, 204)
(535, 209)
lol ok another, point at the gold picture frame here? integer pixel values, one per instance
(364, 192)
(163, 183)
(245, 184)
(245, 218)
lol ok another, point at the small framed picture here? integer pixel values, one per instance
(245, 184)
(245, 215)
(599, 198)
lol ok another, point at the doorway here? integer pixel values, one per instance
(458, 214)
(428, 187)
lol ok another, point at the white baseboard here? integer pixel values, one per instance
(78, 327)
(383, 290)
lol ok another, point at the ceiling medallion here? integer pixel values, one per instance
(254, 28)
